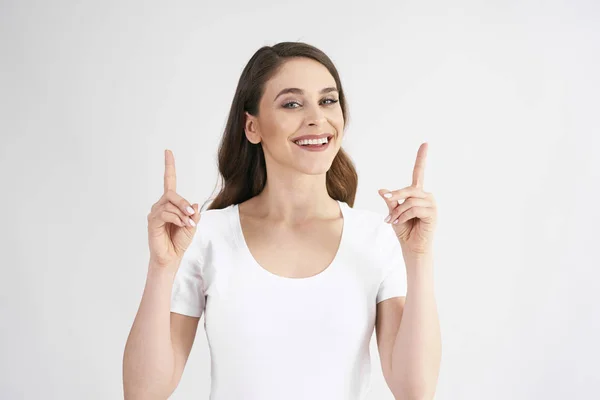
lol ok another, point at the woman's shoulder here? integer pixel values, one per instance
(367, 221)
(217, 220)
(372, 230)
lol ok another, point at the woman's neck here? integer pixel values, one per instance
(295, 200)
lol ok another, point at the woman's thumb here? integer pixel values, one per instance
(196, 215)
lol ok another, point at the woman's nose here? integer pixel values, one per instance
(315, 116)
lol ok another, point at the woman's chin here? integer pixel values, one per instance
(315, 168)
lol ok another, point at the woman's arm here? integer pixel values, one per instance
(152, 366)
(417, 350)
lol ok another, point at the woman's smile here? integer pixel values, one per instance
(313, 142)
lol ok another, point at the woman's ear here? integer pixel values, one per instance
(250, 129)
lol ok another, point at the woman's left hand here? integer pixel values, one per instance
(413, 212)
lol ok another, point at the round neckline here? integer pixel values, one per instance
(243, 245)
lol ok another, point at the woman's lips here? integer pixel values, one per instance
(315, 147)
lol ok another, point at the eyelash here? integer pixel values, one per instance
(333, 101)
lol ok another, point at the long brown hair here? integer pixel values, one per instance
(241, 163)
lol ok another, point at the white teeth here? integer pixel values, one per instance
(305, 142)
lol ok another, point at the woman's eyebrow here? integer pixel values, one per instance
(300, 91)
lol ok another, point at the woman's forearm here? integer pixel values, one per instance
(148, 360)
(416, 354)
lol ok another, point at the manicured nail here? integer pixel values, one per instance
(192, 223)
(387, 219)
(400, 201)
(387, 195)
(190, 210)
(395, 222)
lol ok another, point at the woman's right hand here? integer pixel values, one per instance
(170, 231)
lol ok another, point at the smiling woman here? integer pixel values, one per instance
(290, 277)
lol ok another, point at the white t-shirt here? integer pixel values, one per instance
(274, 338)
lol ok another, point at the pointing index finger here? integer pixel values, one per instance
(170, 177)
(419, 171)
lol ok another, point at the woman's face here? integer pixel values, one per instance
(307, 110)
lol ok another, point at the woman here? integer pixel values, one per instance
(291, 278)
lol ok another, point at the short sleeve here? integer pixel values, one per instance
(188, 293)
(393, 283)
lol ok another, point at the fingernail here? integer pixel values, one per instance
(400, 201)
(387, 219)
(190, 210)
(395, 222)
(387, 195)
(192, 222)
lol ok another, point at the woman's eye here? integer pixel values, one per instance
(288, 103)
(331, 101)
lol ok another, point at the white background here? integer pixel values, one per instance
(506, 93)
